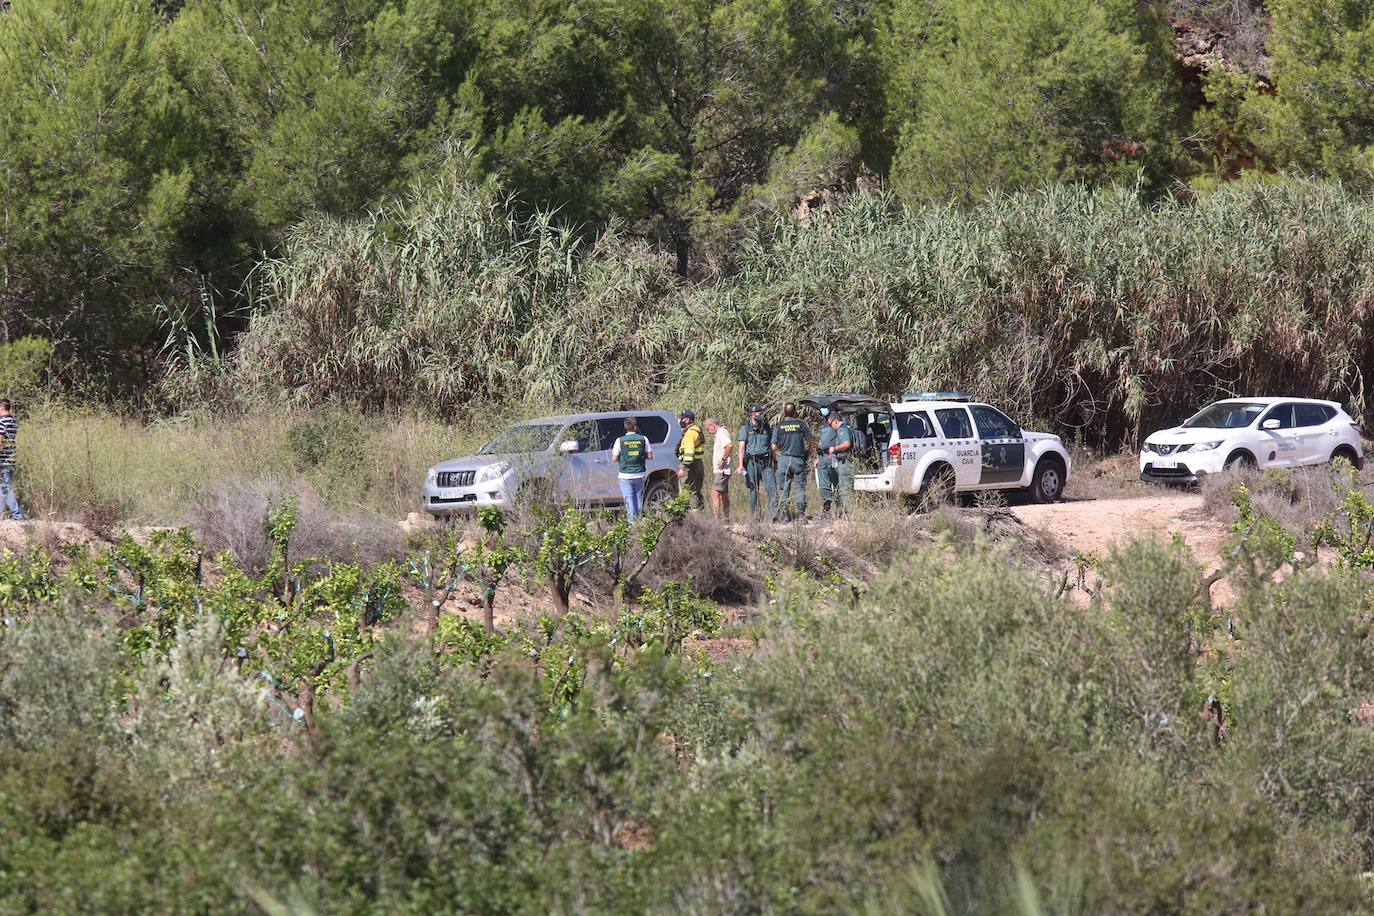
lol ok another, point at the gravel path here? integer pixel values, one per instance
(1094, 526)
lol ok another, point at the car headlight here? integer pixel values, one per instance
(432, 475)
(1204, 446)
(1148, 448)
(493, 471)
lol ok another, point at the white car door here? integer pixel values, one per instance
(959, 438)
(605, 486)
(574, 466)
(1281, 446)
(1319, 435)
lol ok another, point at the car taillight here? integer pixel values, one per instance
(894, 451)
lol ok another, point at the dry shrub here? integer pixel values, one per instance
(230, 517)
(101, 514)
(818, 552)
(721, 566)
(882, 532)
(1299, 499)
(969, 527)
(1112, 477)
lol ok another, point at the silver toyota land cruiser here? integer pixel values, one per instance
(561, 458)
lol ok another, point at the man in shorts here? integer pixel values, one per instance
(721, 448)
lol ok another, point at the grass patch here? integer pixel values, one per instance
(75, 460)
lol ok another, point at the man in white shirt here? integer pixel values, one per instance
(721, 447)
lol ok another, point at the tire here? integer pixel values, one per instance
(1240, 461)
(937, 489)
(659, 490)
(1047, 483)
(1348, 453)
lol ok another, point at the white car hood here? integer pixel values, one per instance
(1179, 435)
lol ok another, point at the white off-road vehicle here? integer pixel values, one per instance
(941, 444)
(1258, 432)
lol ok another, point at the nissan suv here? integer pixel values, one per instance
(1256, 432)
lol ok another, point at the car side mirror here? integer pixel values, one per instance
(568, 446)
(1271, 423)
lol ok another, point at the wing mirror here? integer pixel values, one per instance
(1271, 423)
(568, 446)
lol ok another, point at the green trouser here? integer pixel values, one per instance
(791, 475)
(758, 473)
(837, 485)
(696, 481)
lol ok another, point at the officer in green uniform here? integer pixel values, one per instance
(835, 462)
(791, 447)
(756, 458)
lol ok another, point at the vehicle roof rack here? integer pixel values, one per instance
(937, 396)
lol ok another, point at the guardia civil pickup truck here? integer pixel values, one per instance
(942, 443)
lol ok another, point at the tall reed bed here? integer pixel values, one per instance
(1095, 312)
(1086, 310)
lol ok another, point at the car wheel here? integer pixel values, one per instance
(937, 489)
(1241, 461)
(1348, 454)
(1047, 484)
(659, 491)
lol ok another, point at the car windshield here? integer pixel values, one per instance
(533, 437)
(1225, 415)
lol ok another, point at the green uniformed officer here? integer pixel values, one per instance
(792, 448)
(836, 464)
(756, 458)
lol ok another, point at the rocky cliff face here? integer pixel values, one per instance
(1236, 41)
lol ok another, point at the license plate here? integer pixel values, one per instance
(1166, 464)
(450, 494)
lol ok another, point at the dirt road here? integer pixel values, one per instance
(1094, 526)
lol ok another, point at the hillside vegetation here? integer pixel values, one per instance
(263, 262)
(948, 734)
(176, 173)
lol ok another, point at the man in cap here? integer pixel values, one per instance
(755, 449)
(834, 464)
(792, 448)
(691, 456)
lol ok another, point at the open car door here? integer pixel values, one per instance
(869, 417)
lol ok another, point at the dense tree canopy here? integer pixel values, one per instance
(990, 95)
(152, 153)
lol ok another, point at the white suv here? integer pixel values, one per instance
(559, 458)
(1259, 432)
(941, 444)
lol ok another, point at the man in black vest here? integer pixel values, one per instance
(755, 445)
(792, 448)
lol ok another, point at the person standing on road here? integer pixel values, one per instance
(691, 455)
(755, 450)
(9, 444)
(791, 447)
(835, 464)
(721, 449)
(632, 451)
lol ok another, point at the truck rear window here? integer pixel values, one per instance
(954, 421)
(914, 425)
